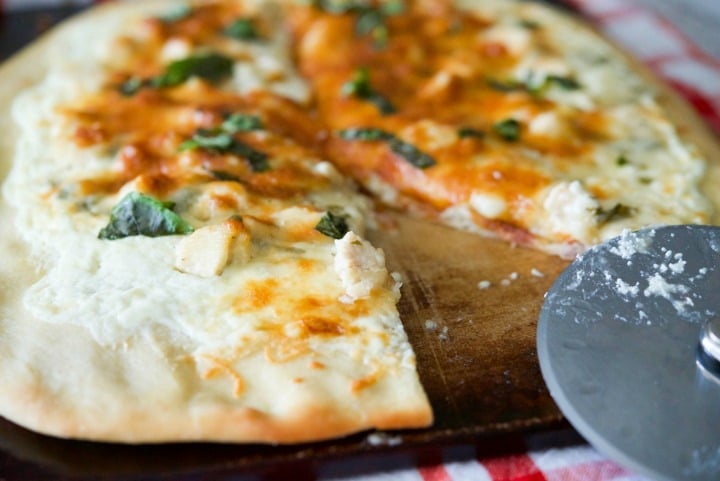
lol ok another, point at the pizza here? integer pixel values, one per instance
(186, 200)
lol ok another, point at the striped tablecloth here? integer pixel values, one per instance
(680, 41)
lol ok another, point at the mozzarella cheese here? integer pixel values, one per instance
(538, 130)
(263, 280)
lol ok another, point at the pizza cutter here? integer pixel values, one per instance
(629, 346)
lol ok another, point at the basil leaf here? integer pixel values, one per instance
(412, 154)
(212, 67)
(208, 139)
(371, 20)
(241, 123)
(534, 87)
(365, 133)
(225, 143)
(384, 105)
(332, 225)
(221, 139)
(257, 160)
(242, 29)
(469, 132)
(140, 214)
(407, 151)
(359, 86)
(566, 83)
(508, 129)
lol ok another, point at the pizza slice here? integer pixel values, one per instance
(186, 265)
(499, 117)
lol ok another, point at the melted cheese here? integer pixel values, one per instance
(255, 275)
(579, 106)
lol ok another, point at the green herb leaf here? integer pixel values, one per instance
(241, 123)
(176, 14)
(332, 225)
(469, 132)
(257, 160)
(359, 86)
(407, 151)
(534, 86)
(224, 143)
(622, 160)
(212, 67)
(383, 104)
(371, 20)
(365, 133)
(618, 211)
(140, 214)
(221, 139)
(208, 139)
(508, 129)
(242, 29)
(565, 83)
(412, 154)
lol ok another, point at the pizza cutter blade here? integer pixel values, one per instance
(629, 346)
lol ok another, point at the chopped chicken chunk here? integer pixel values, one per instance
(207, 251)
(360, 266)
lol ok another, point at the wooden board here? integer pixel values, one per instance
(475, 349)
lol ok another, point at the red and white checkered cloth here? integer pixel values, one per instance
(665, 48)
(540, 457)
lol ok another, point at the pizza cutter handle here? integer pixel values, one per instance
(709, 349)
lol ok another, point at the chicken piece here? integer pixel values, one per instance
(207, 251)
(360, 266)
